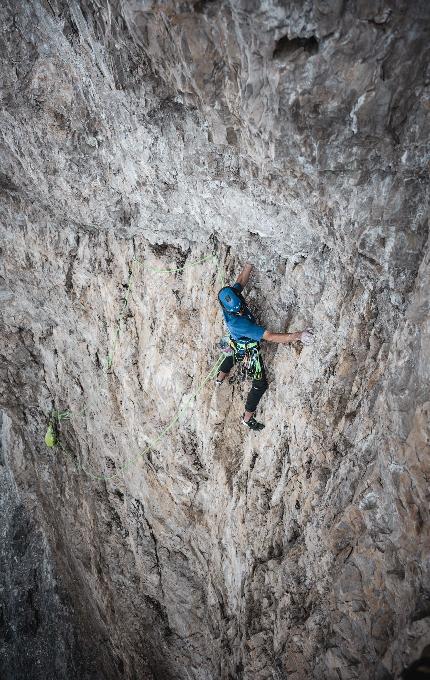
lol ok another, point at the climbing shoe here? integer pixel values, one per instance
(253, 424)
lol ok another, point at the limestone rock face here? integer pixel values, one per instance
(147, 150)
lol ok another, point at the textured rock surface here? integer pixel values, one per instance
(141, 136)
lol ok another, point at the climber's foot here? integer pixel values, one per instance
(253, 424)
(220, 378)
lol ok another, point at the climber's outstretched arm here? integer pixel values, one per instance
(305, 336)
(244, 275)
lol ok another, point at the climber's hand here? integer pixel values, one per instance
(307, 336)
(244, 275)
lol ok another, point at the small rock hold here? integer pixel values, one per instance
(369, 502)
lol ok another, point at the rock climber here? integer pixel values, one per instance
(243, 343)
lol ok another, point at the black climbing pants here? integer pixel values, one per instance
(258, 387)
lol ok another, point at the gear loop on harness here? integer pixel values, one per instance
(247, 354)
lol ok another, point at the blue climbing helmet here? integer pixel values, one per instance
(229, 300)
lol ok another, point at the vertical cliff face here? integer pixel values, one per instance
(148, 149)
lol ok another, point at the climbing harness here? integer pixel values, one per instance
(247, 354)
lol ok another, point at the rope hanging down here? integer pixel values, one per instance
(152, 444)
(54, 424)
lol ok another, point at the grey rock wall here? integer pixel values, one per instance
(46, 620)
(137, 137)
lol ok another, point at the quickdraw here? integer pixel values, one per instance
(247, 354)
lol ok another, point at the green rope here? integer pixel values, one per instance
(151, 444)
(65, 415)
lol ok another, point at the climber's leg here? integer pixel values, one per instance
(255, 393)
(224, 369)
